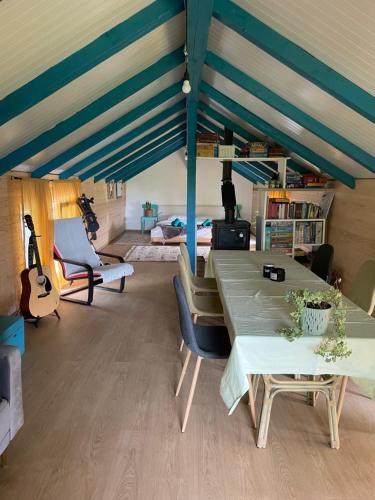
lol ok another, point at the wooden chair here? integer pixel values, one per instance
(207, 342)
(362, 293)
(197, 284)
(199, 305)
(154, 217)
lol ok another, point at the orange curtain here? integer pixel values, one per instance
(37, 201)
(45, 201)
(64, 197)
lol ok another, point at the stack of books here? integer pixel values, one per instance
(279, 237)
(314, 181)
(281, 208)
(309, 233)
(207, 144)
(294, 180)
(303, 210)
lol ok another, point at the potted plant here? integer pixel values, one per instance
(311, 316)
(148, 209)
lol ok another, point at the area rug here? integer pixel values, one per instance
(160, 253)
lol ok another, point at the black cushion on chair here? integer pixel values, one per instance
(205, 341)
(322, 262)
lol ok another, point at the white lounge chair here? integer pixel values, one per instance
(79, 260)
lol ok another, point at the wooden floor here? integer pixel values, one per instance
(102, 422)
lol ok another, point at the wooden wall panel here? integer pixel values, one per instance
(11, 246)
(110, 213)
(351, 228)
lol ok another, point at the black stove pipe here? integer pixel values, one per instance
(228, 194)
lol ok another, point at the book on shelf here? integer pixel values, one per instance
(309, 233)
(278, 235)
(284, 209)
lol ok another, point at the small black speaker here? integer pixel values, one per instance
(235, 236)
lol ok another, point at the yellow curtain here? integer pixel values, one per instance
(46, 200)
(64, 197)
(37, 201)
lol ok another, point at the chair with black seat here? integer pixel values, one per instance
(322, 262)
(210, 342)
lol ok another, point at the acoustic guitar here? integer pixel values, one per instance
(39, 297)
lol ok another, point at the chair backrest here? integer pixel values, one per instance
(71, 243)
(186, 323)
(322, 262)
(186, 257)
(154, 208)
(362, 291)
(186, 282)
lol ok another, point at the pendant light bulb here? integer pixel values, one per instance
(186, 87)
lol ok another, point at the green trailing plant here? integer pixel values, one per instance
(334, 345)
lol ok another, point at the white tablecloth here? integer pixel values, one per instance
(254, 309)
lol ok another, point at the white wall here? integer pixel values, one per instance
(165, 185)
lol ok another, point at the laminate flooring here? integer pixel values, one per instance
(102, 421)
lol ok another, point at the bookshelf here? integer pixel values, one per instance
(290, 219)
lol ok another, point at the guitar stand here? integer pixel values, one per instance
(35, 320)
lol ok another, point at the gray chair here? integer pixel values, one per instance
(210, 342)
(11, 408)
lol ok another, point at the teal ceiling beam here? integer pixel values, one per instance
(245, 172)
(105, 172)
(142, 154)
(259, 170)
(296, 167)
(124, 139)
(116, 125)
(278, 135)
(85, 115)
(306, 121)
(150, 159)
(198, 21)
(123, 155)
(75, 65)
(295, 57)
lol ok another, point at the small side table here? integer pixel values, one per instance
(12, 331)
(153, 218)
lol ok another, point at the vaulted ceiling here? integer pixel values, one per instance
(93, 88)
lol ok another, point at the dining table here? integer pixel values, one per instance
(255, 309)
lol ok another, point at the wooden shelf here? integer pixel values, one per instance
(305, 190)
(297, 220)
(278, 158)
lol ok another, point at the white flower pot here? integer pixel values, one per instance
(315, 321)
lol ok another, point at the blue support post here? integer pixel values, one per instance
(198, 20)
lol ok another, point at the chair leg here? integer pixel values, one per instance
(4, 459)
(191, 393)
(332, 419)
(182, 376)
(252, 398)
(265, 416)
(195, 318)
(340, 403)
(182, 345)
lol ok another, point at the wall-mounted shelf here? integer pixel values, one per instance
(277, 159)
